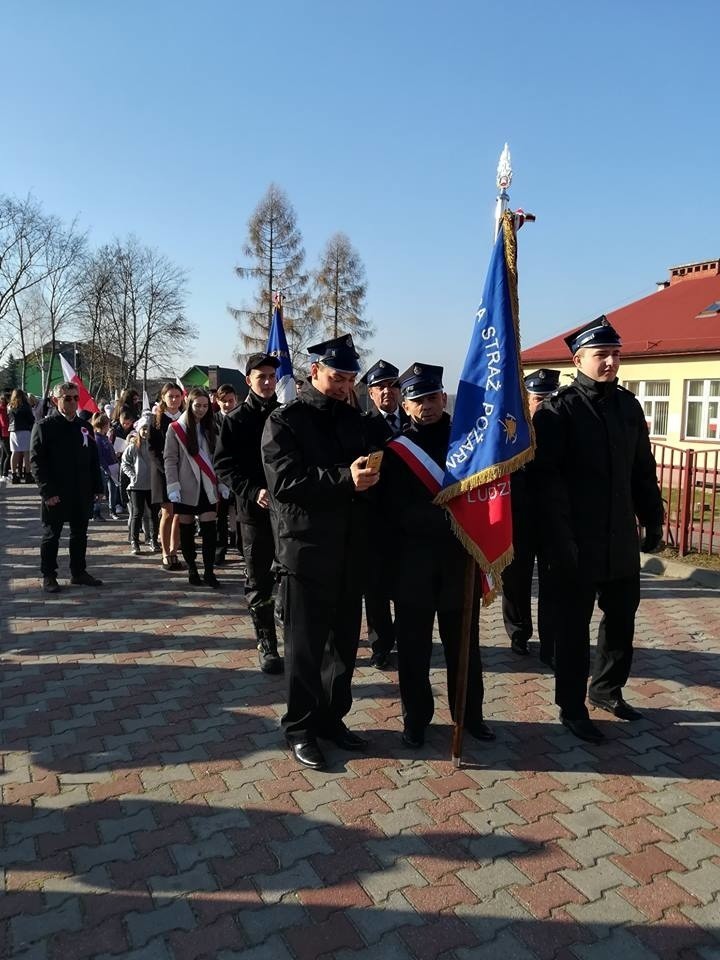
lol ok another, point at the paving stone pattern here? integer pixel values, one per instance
(150, 811)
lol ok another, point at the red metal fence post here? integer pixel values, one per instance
(686, 496)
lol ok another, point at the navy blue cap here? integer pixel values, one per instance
(257, 360)
(542, 381)
(597, 333)
(419, 380)
(380, 372)
(338, 353)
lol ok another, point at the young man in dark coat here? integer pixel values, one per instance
(238, 462)
(66, 468)
(430, 567)
(315, 458)
(385, 421)
(517, 576)
(596, 479)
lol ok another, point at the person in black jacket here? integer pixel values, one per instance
(385, 421)
(517, 576)
(431, 561)
(596, 478)
(66, 468)
(238, 462)
(315, 457)
(227, 401)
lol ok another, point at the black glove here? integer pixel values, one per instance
(652, 539)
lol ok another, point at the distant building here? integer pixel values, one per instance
(670, 355)
(211, 377)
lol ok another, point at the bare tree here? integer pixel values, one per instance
(24, 235)
(274, 246)
(340, 289)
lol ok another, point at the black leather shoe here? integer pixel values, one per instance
(619, 708)
(583, 728)
(308, 753)
(86, 580)
(212, 581)
(347, 740)
(413, 737)
(480, 731)
(519, 646)
(380, 660)
(50, 585)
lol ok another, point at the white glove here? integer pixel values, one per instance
(223, 491)
(174, 497)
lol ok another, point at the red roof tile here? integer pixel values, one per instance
(661, 324)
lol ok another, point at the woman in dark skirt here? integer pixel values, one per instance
(168, 411)
(191, 482)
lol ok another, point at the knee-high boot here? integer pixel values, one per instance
(208, 532)
(187, 547)
(264, 622)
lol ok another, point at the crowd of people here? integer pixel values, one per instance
(330, 505)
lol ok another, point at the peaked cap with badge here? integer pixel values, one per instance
(338, 353)
(380, 372)
(419, 380)
(257, 360)
(597, 333)
(542, 382)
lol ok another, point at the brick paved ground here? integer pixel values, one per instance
(150, 811)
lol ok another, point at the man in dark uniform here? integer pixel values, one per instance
(596, 478)
(315, 456)
(226, 400)
(431, 561)
(385, 421)
(238, 462)
(66, 467)
(517, 576)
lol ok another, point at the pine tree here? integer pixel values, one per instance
(340, 289)
(275, 249)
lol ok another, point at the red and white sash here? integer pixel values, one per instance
(421, 464)
(200, 458)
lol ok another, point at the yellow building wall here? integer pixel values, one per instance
(677, 370)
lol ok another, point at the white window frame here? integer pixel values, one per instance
(705, 399)
(639, 388)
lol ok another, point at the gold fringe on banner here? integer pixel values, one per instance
(502, 469)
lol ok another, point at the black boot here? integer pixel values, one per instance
(187, 546)
(208, 531)
(264, 622)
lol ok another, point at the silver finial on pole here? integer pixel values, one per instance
(504, 179)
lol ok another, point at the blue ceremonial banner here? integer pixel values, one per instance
(277, 347)
(491, 434)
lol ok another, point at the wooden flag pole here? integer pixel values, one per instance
(464, 658)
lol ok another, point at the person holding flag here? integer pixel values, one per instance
(277, 346)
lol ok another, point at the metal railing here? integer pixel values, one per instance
(690, 483)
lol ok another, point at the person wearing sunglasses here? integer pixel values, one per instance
(66, 467)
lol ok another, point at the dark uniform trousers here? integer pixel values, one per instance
(516, 598)
(76, 515)
(259, 547)
(321, 640)
(378, 613)
(618, 599)
(414, 629)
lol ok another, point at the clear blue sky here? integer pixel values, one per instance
(385, 120)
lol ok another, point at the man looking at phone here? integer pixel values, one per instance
(315, 459)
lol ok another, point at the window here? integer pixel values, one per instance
(653, 396)
(702, 407)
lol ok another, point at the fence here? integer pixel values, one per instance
(690, 482)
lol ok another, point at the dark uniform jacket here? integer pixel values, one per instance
(378, 429)
(319, 519)
(238, 458)
(65, 464)
(430, 560)
(595, 473)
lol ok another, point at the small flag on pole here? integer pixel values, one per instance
(277, 347)
(492, 434)
(86, 401)
(146, 407)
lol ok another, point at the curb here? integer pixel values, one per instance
(660, 566)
